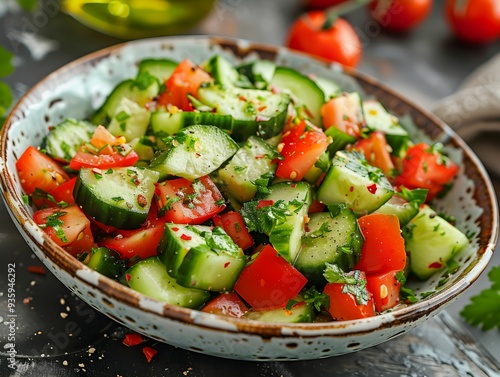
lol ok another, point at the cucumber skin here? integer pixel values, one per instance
(300, 313)
(431, 242)
(98, 203)
(149, 276)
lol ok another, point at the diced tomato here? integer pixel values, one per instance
(234, 225)
(384, 289)
(269, 281)
(425, 167)
(138, 243)
(182, 201)
(38, 171)
(133, 339)
(104, 141)
(376, 151)
(185, 79)
(83, 243)
(63, 225)
(344, 113)
(301, 147)
(344, 305)
(226, 304)
(383, 248)
(149, 352)
(102, 161)
(316, 206)
(61, 194)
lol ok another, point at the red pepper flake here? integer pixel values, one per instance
(436, 265)
(372, 188)
(142, 201)
(175, 229)
(128, 277)
(258, 157)
(242, 98)
(265, 203)
(226, 265)
(262, 108)
(39, 270)
(351, 189)
(132, 339)
(149, 352)
(185, 237)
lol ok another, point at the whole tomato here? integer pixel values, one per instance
(474, 21)
(400, 15)
(337, 42)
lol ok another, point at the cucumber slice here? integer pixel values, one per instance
(378, 118)
(160, 68)
(106, 262)
(352, 181)
(330, 88)
(286, 235)
(329, 239)
(130, 120)
(299, 313)
(119, 197)
(193, 152)
(260, 72)
(431, 242)
(66, 138)
(149, 276)
(254, 112)
(254, 159)
(404, 210)
(225, 74)
(144, 147)
(140, 90)
(303, 89)
(340, 140)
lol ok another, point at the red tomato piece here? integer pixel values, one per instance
(425, 167)
(474, 21)
(149, 352)
(301, 147)
(133, 339)
(185, 79)
(102, 161)
(344, 305)
(63, 225)
(316, 206)
(226, 304)
(376, 151)
(60, 194)
(141, 243)
(400, 15)
(383, 248)
(269, 281)
(338, 42)
(344, 113)
(182, 201)
(38, 171)
(233, 224)
(83, 243)
(384, 289)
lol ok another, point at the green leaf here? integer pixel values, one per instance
(5, 98)
(6, 67)
(28, 5)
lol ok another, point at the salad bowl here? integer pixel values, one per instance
(79, 88)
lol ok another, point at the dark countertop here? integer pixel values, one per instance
(58, 335)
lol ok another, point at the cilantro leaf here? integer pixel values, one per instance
(353, 282)
(483, 308)
(263, 219)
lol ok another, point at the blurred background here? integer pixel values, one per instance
(416, 47)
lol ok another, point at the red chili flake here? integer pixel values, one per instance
(175, 229)
(372, 188)
(132, 339)
(262, 108)
(142, 201)
(265, 203)
(435, 265)
(260, 156)
(293, 185)
(242, 98)
(226, 265)
(351, 189)
(185, 237)
(39, 270)
(128, 277)
(149, 352)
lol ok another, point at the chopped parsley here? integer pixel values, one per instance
(353, 282)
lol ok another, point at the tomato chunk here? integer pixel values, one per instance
(383, 249)
(185, 79)
(376, 151)
(344, 113)
(384, 289)
(269, 282)
(226, 304)
(426, 167)
(234, 225)
(301, 146)
(182, 201)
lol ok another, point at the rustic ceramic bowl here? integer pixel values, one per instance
(80, 87)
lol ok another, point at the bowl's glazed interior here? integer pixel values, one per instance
(77, 89)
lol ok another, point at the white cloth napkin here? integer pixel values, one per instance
(474, 113)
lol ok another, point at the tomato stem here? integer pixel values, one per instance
(333, 12)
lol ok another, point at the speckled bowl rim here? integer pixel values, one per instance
(484, 193)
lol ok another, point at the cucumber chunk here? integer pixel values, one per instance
(330, 88)
(160, 68)
(329, 238)
(254, 112)
(66, 138)
(260, 72)
(304, 90)
(299, 313)
(119, 197)
(130, 120)
(405, 204)
(149, 276)
(225, 74)
(254, 159)
(351, 180)
(106, 262)
(193, 152)
(431, 242)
